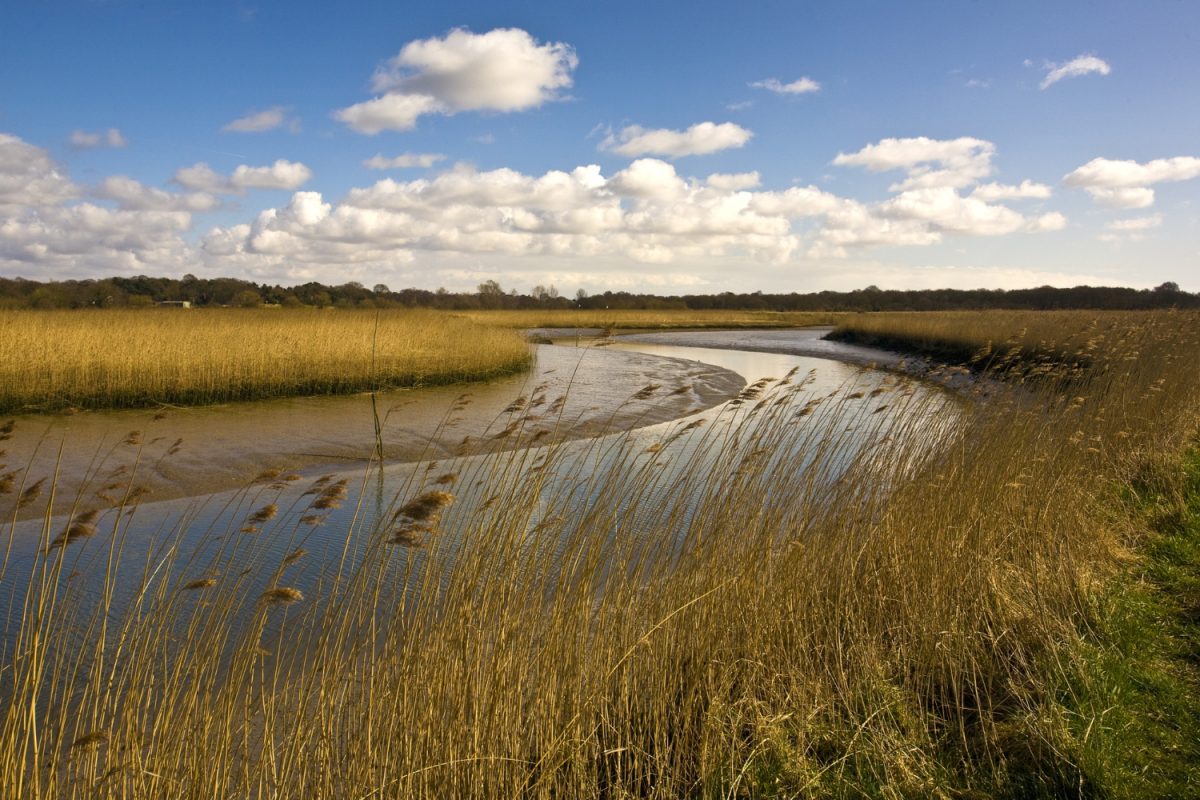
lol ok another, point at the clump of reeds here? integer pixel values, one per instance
(282, 594)
(330, 496)
(419, 516)
(263, 514)
(200, 583)
(82, 526)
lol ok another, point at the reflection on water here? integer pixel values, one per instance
(649, 486)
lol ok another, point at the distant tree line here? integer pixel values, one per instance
(143, 291)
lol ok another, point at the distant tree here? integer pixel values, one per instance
(247, 298)
(1169, 286)
(381, 288)
(491, 294)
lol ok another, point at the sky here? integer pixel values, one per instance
(664, 147)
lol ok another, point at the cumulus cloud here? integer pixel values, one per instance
(502, 70)
(799, 86)
(84, 140)
(29, 177)
(1126, 184)
(462, 219)
(991, 192)
(700, 139)
(130, 194)
(282, 174)
(403, 161)
(392, 112)
(1080, 65)
(44, 229)
(647, 212)
(930, 163)
(261, 121)
(734, 182)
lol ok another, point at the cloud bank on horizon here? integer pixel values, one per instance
(643, 221)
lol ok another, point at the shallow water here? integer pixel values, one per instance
(654, 442)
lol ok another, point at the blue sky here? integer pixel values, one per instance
(668, 147)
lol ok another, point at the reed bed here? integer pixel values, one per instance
(1001, 339)
(50, 360)
(651, 319)
(749, 607)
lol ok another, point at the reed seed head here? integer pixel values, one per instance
(282, 594)
(90, 740)
(200, 583)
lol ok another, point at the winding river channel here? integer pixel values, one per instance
(175, 492)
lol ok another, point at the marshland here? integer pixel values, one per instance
(915, 555)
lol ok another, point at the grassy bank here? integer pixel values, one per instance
(671, 318)
(51, 360)
(945, 613)
(1128, 712)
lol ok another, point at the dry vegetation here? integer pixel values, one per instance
(666, 318)
(999, 339)
(60, 359)
(914, 629)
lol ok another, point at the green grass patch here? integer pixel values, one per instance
(1132, 706)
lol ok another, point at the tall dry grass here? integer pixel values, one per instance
(665, 318)
(995, 339)
(787, 618)
(109, 358)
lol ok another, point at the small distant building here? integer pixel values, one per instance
(176, 303)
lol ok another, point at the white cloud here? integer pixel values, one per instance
(282, 174)
(40, 228)
(502, 70)
(84, 140)
(1122, 198)
(1129, 230)
(29, 177)
(647, 213)
(1080, 65)
(1126, 184)
(1135, 223)
(648, 178)
(700, 139)
(391, 112)
(799, 86)
(930, 163)
(735, 182)
(133, 195)
(991, 192)
(463, 220)
(946, 210)
(261, 121)
(404, 161)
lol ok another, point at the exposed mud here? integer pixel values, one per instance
(184, 452)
